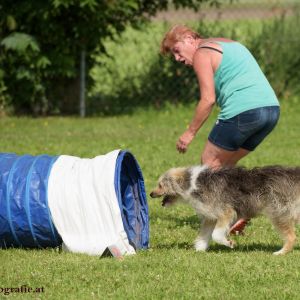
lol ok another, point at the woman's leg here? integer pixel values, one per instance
(239, 154)
(216, 157)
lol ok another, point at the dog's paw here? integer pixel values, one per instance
(280, 252)
(201, 245)
(231, 244)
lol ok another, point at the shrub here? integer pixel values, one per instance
(277, 49)
(135, 74)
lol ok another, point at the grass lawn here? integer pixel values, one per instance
(170, 269)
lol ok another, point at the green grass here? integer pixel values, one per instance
(170, 269)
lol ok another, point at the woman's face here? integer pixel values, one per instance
(184, 50)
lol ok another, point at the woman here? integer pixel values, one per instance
(227, 75)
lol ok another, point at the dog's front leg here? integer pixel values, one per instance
(202, 241)
(220, 232)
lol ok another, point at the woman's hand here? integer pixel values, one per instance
(184, 140)
(202, 64)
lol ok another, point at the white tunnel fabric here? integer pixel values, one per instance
(84, 206)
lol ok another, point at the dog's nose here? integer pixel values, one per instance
(151, 195)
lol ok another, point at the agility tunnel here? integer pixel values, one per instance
(85, 205)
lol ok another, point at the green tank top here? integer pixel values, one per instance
(240, 83)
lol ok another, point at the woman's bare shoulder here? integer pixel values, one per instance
(214, 42)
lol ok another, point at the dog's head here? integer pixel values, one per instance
(170, 186)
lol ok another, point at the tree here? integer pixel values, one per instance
(41, 44)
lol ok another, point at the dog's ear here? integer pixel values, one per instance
(179, 175)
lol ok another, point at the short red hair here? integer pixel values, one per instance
(176, 34)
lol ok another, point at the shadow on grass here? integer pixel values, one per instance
(192, 221)
(253, 247)
(215, 248)
(170, 246)
(57, 249)
(174, 222)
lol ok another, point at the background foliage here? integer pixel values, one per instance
(136, 75)
(41, 43)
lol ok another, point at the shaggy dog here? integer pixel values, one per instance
(224, 195)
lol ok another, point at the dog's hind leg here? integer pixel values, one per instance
(287, 231)
(221, 230)
(202, 241)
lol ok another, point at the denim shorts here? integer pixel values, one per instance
(246, 130)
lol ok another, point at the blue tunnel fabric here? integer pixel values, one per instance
(129, 186)
(25, 219)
